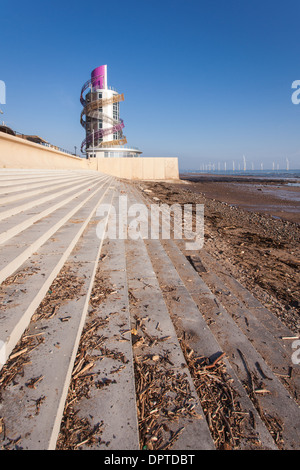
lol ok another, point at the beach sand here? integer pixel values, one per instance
(251, 231)
(266, 196)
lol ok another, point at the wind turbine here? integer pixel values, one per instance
(244, 158)
(287, 164)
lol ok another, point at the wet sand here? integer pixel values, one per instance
(268, 196)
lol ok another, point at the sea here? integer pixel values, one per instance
(278, 180)
(261, 174)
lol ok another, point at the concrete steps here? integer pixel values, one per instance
(93, 331)
(39, 269)
(16, 182)
(76, 249)
(34, 213)
(32, 202)
(249, 366)
(126, 272)
(22, 235)
(13, 201)
(251, 337)
(53, 360)
(112, 402)
(268, 335)
(192, 327)
(151, 319)
(149, 270)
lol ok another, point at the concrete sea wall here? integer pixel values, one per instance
(19, 153)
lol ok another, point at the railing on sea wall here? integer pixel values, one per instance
(45, 144)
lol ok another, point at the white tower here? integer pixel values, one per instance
(104, 128)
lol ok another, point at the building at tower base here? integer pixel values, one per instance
(101, 119)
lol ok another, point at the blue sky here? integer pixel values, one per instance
(206, 81)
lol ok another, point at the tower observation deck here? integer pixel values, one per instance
(100, 118)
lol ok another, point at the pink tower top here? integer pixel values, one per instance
(99, 77)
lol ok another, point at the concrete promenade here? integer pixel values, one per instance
(99, 338)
